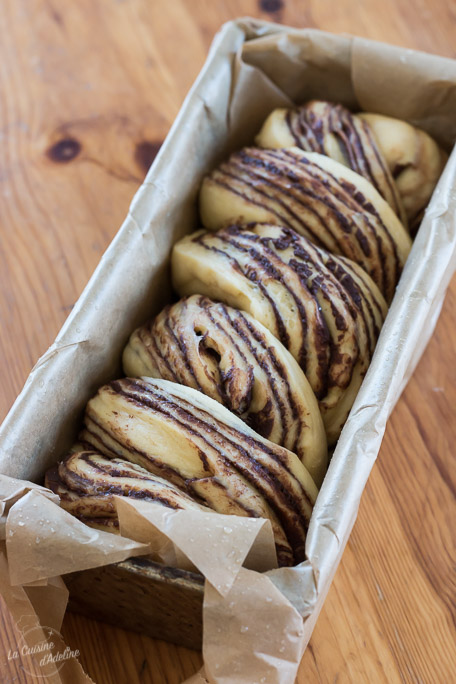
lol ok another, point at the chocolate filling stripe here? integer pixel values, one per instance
(375, 316)
(270, 166)
(293, 520)
(154, 352)
(96, 488)
(358, 299)
(179, 340)
(307, 132)
(279, 369)
(96, 440)
(345, 192)
(264, 358)
(289, 117)
(210, 311)
(342, 124)
(105, 522)
(379, 233)
(305, 175)
(346, 286)
(196, 315)
(350, 292)
(269, 369)
(188, 411)
(189, 317)
(340, 192)
(284, 212)
(280, 408)
(112, 470)
(394, 194)
(232, 436)
(273, 270)
(189, 482)
(318, 286)
(190, 414)
(57, 484)
(304, 195)
(281, 329)
(372, 298)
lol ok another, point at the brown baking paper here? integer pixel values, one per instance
(252, 68)
(37, 608)
(30, 609)
(43, 540)
(214, 544)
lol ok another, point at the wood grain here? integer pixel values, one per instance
(88, 92)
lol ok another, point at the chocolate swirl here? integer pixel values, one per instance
(325, 310)
(333, 130)
(316, 196)
(75, 500)
(86, 482)
(234, 359)
(207, 451)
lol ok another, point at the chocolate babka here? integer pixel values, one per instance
(236, 390)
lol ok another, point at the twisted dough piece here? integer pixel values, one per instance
(324, 309)
(232, 358)
(333, 130)
(414, 159)
(206, 451)
(85, 507)
(319, 198)
(86, 482)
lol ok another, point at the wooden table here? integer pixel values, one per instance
(89, 90)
